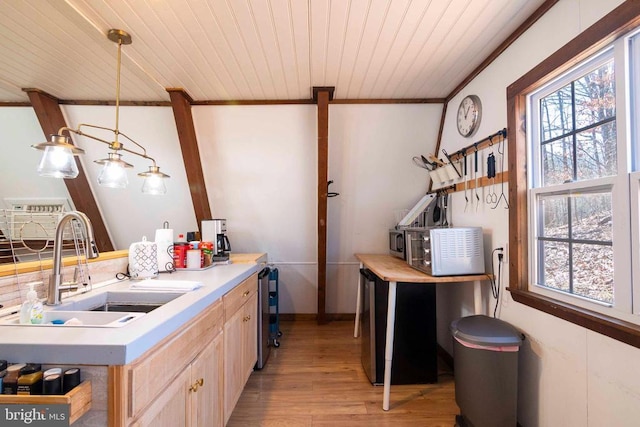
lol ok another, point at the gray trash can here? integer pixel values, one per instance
(485, 354)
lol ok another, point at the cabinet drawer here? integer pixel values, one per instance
(78, 399)
(149, 376)
(235, 298)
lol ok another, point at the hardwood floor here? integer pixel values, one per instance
(315, 379)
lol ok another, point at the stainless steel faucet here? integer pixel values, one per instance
(91, 251)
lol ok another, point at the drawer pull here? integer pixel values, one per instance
(246, 293)
(194, 386)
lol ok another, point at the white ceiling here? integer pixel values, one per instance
(220, 50)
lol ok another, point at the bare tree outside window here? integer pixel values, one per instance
(578, 143)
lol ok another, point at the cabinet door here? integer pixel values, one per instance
(250, 337)
(233, 361)
(171, 408)
(206, 398)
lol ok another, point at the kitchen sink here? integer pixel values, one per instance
(84, 319)
(119, 301)
(127, 308)
(111, 308)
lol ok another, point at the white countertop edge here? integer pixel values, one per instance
(120, 346)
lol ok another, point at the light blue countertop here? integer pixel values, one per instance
(120, 346)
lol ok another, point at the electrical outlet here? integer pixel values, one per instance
(505, 252)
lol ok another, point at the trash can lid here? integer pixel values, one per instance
(486, 331)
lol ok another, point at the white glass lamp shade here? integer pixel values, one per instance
(114, 172)
(154, 185)
(113, 176)
(154, 181)
(58, 162)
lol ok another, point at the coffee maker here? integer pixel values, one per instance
(215, 230)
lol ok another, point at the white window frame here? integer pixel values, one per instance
(633, 106)
(634, 184)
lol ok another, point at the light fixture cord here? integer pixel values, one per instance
(118, 90)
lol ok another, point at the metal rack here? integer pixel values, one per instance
(478, 179)
(274, 308)
(28, 235)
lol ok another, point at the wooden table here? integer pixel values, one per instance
(394, 270)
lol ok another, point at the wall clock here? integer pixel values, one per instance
(469, 114)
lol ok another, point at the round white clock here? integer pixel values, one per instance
(469, 114)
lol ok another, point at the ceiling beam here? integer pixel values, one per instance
(50, 116)
(365, 101)
(322, 96)
(181, 104)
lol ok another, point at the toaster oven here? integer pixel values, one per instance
(396, 243)
(398, 239)
(446, 251)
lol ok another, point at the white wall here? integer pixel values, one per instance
(569, 376)
(260, 165)
(370, 151)
(18, 177)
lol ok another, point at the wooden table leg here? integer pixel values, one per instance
(477, 297)
(388, 352)
(356, 329)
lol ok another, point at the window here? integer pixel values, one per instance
(574, 192)
(573, 147)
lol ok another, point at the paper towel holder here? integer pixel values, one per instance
(164, 240)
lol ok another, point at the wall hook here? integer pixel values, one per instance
(331, 193)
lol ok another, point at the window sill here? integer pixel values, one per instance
(616, 329)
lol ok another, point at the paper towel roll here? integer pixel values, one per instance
(164, 240)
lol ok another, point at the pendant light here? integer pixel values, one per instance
(114, 171)
(58, 158)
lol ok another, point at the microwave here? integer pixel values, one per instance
(450, 251)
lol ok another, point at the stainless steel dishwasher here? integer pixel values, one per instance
(263, 317)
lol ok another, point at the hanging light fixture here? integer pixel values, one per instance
(58, 157)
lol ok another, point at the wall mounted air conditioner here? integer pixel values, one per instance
(34, 219)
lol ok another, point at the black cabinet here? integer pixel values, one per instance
(415, 343)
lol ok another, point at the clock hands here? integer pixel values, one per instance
(467, 111)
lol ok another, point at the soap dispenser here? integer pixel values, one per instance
(37, 310)
(27, 306)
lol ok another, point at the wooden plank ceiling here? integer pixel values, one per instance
(221, 50)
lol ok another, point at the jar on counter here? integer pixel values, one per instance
(10, 380)
(30, 380)
(180, 254)
(207, 253)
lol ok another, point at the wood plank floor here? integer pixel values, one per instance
(315, 378)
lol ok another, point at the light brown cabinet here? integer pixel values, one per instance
(207, 386)
(171, 407)
(178, 382)
(240, 340)
(195, 396)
